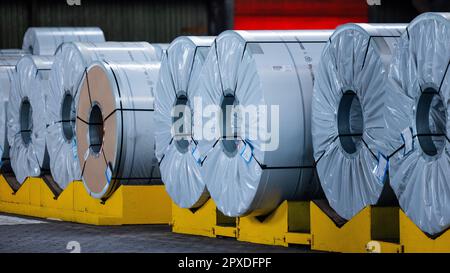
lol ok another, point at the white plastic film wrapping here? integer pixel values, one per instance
(115, 126)
(71, 61)
(179, 75)
(348, 115)
(418, 122)
(45, 40)
(8, 61)
(12, 52)
(263, 70)
(27, 118)
(160, 49)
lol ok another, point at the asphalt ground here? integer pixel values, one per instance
(20, 234)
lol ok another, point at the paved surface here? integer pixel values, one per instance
(22, 234)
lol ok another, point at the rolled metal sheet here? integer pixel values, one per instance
(115, 126)
(71, 61)
(45, 40)
(8, 61)
(418, 122)
(269, 70)
(179, 75)
(348, 115)
(27, 116)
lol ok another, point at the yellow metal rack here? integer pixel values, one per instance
(413, 239)
(288, 224)
(204, 221)
(373, 229)
(128, 205)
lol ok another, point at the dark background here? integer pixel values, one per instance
(163, 20)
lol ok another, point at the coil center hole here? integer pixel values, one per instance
(229, 122)
(350, 122)
(68, 115)
(431, 121)
(26, 121)
(96, 130)
(181, 127)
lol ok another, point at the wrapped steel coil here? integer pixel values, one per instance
(268, 75)
(27, 116)
(71, 61)
(45, 40)
(8, 63)
(180, 70)
(348, 115)
(115, 127)
(418, 122)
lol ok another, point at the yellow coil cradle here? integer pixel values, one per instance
(414, 240)
(128, 205)
(373, 229)
(203, 221)
(288, 224)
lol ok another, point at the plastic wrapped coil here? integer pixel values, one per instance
(115, 127)
(348, 116)
(27, 116)
(45, 40)
(252, 165)
(418, 122)
(180, 70)
(71, 61)
(8, 63)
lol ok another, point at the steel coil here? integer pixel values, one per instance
(45, 40)
(180, 70)
(115, 126)
(27, 116)
(348, 116)
(418, 122)
(71, 61)
(249, 169)
(8, 61)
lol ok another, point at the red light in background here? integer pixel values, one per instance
(298, 14)
(291, 22)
